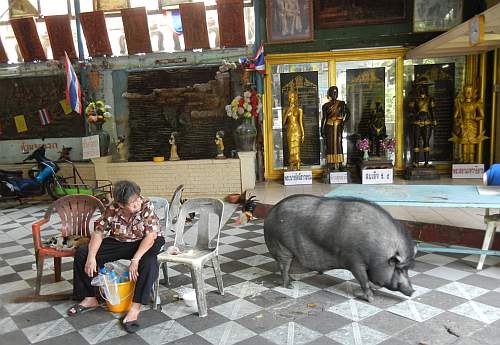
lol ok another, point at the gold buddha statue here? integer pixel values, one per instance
(468, 117)
(292, 121)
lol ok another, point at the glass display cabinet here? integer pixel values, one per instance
(376, 85)
(370, 81)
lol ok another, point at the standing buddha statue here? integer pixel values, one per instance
(292, 121)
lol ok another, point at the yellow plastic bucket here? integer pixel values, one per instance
(126, 292)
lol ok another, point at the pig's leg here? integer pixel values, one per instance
(285, 263)
(374, 286)
(360, 274)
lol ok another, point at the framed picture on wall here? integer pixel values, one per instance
(19, 9)
(336, 14)
(110, 5)
(289, 20)
(436, 15)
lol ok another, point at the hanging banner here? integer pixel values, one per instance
(20, 123)
(44, 117)
(90, 147)
(65, 107)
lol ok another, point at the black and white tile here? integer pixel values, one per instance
(453, 303)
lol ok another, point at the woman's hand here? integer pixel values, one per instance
(90, 266)
(133, 269)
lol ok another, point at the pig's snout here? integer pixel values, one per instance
(407, 290)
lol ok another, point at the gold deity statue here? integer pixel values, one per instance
(468, 116)
(173, 147)
(219, 142)
(292, 121)
(121, 149)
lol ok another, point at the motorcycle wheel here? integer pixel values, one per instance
(51, 187)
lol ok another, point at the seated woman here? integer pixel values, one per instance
(128, 229)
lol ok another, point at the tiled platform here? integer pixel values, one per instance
(453, 303)
(271, 192)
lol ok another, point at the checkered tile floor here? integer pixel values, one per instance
(453, 303)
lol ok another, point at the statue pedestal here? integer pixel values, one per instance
(376, 164)
(376, 171)
(421, 173)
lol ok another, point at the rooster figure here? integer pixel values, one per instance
(247, 210)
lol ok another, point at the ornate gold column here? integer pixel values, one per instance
(332, 73)
(494, 112)
(399, 163)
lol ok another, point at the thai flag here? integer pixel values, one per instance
(174, 21)
(44, 117)
(73, 91)
(260, 65)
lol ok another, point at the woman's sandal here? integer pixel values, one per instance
(79, 309)
(131, 326)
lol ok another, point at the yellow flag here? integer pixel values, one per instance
(65, 107)
(20, 123)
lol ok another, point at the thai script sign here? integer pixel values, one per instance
(377, 176)
(467, 170)
(292, 178)
(338, 177)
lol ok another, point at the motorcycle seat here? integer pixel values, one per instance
(16, 173)
(27, 184)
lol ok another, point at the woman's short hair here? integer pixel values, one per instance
(123, 190)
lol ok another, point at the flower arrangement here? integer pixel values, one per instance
(363, 144)
(246, 106)
(388, 144)
(97, 112)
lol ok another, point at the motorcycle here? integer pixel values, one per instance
(42, 180)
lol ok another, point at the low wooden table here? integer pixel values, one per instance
(429, 196)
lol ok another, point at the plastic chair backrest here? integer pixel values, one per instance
(76, 213)
(175, 206)
(205, 207)
(161, 206)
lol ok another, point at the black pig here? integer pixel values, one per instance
(354, 234)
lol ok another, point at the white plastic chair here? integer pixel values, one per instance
(206, 247)
(175, 207)
(162, 210)
(161, 207)
(171, 216)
